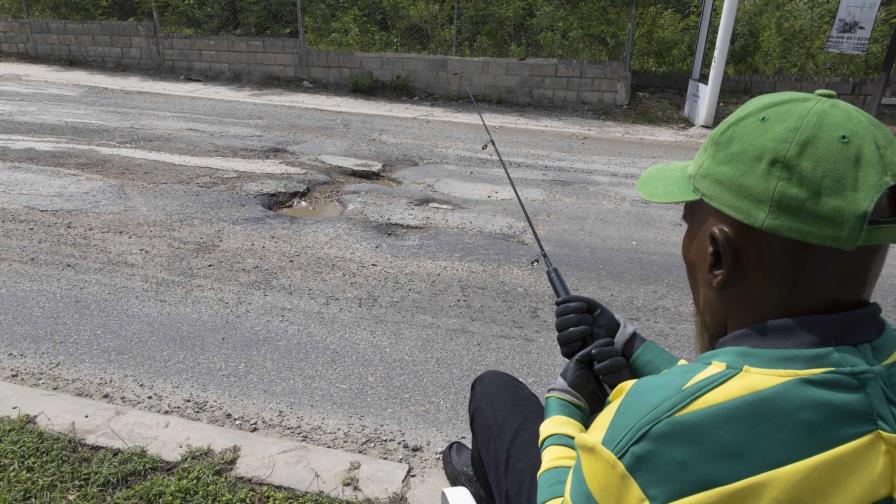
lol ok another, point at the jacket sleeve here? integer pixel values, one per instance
(563, 420)
(644, 357)
(650, 359)
(561, 472)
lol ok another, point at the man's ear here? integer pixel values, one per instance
(721, 255)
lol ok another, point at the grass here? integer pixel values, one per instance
(399, 85)
(37, 466)
(363, 83)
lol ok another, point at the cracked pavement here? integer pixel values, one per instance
(140, 261)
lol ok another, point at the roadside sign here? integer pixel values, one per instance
(851, 32)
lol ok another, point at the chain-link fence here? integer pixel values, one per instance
(771, 37)
(585, 30)
(121, 10)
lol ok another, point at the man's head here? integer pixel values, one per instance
(787, 209)
(740, 276)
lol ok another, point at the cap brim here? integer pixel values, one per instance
(667, 183)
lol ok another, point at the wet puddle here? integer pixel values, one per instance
(380, 182)
(323, 209)
(321, 202)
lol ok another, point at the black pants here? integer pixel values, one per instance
(504, 419)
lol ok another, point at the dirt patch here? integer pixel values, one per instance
(664, 107)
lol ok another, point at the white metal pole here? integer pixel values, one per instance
(719, 58)
(700, 48)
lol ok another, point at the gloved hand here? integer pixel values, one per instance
(580, 321)
(582, 380)
(609, 365)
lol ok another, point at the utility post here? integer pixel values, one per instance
(300, 22)
(703, 97)
(453, 29)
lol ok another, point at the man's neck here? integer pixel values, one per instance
(758, 314)
(841, 328)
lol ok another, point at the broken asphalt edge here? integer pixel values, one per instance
(263, 459)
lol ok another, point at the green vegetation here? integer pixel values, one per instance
(363, 83)
(771, 36)
(39, 466)
(366, 83)
(400, 84)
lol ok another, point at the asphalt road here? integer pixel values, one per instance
(140, 262)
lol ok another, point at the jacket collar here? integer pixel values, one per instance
(847, 328)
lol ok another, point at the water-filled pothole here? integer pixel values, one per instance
(322, 202)
(308, 210)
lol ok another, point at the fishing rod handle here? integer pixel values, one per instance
(557, 283)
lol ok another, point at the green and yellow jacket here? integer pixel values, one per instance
(791, 410)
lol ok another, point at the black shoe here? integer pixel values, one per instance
(459, 469)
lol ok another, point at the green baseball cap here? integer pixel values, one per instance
(808, 167)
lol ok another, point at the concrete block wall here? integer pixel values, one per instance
(107, 43)
(855, 91)
(247, 58)
(532, 81)
(137, 45)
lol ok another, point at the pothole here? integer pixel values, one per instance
(307, 210)
(393, 229)
(436, 203)
(322, 202)
(380, 182)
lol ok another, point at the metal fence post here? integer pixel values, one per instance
(630, 36)
(453, 30)
(301, 56)
(300, 23)
(24, 8)
(884, 77)
(157, 28)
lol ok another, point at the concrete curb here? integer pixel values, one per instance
(426, 487)
(265, 459)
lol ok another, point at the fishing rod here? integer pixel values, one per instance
(554, 276)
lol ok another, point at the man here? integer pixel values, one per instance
(789, 213)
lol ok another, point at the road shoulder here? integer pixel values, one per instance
(264, 459)
(460, 113)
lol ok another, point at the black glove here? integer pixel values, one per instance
(609, 366)
(581, 381)
(580, 321)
